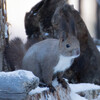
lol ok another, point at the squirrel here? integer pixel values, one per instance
(48, 58)
(45, 59)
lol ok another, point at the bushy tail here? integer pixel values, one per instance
(14, 53)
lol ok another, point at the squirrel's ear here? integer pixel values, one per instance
(72, 27)
(63, 36)
(60, 41)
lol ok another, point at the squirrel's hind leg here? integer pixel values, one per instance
(47, 76)
(50, 86)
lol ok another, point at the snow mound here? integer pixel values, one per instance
(83, 87)
(19, 81)
(38, 90)
(75, 96)
(18, 73)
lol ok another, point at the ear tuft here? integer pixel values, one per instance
(63, 39)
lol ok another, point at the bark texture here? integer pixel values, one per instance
(3, 19)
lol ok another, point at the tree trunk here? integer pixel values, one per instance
(3, 31)
(1, 36)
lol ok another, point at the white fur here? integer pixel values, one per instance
(63, 64)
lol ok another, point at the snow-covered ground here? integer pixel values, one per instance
(17, 81)
(83, 87)
(75, 88)
(38, 90)
(75, 96)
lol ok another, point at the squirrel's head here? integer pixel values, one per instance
(69, 47)
(69, 44)
(64, 29)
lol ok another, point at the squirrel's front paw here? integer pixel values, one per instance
(51, 88)
(41, 84)
(63, 83)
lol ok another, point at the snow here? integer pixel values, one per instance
(49, 97)
(19, 81)
(35, 14)
(98, 98)
(46, 34)
(6, 28)
(98, 48)
(75, 96)
(38, 90)
(75, 88)
(55, 82)
(83, 87)
(18, 73)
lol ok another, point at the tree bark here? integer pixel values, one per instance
(4, 37)
(1, 36)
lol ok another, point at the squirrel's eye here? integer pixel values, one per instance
(67, 45)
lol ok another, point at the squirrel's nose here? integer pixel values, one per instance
(76, 52)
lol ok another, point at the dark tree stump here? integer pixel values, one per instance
(38, 21)
(86, 68)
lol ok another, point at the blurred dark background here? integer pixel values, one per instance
(90, 12)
